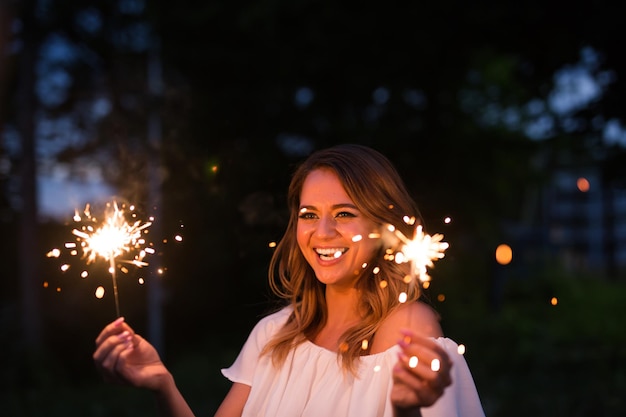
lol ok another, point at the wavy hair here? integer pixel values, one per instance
(375, 187)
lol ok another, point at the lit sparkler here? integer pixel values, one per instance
(114, 237)
(420, 252)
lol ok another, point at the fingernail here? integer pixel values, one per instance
(118, 321)
(124, 335)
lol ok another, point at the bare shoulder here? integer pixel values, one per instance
(418, 317)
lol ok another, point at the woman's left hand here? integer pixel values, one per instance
(421, 373)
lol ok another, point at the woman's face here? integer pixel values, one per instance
(332, 233)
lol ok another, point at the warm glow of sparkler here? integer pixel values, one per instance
(115, 239)
(420, 251)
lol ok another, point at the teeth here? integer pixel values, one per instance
(330, 253)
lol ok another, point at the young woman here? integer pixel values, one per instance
(344, 344)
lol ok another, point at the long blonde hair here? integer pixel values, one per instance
(375, 187)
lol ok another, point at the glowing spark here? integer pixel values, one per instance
(99, 292)
(461, 349)
(111, 239)
(377, 368)
(114, 238)
(413, 361)
(420, 251)
(435, 365)
(364, 344)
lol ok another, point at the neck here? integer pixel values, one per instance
(342, 307)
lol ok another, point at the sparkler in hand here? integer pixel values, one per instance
(114, 237)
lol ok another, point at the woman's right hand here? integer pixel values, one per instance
(124, 357)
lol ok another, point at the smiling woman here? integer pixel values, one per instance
(342, 344)
(327, 226)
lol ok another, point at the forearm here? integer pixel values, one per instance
(170, 401)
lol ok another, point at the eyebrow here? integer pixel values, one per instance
(334, 207)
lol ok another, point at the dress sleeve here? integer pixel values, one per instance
(460, 399)
(242, 370)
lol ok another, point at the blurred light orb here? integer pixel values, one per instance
(504, 254)
(100, 292)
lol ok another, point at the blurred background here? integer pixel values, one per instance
(508, 118)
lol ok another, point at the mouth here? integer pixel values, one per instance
(328, 254)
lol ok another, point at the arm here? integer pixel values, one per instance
(124, 357)
(233, 403)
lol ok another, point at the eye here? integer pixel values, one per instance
(345, 214)
(307, 215)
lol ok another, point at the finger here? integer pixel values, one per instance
(417, 368)
(106, 353)
(115, 327)
(109, 363)
(411, 391)
(426, 349)
(410, 338)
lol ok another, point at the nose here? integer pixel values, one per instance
(326, 227)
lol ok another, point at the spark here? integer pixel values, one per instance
(420, 251)
(115, 240)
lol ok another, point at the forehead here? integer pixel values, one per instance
(323, 185)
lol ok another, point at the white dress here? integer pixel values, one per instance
(311, 383)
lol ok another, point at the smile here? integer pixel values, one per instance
(328, 254)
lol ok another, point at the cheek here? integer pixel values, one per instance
(302, 234)
(370, 249)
